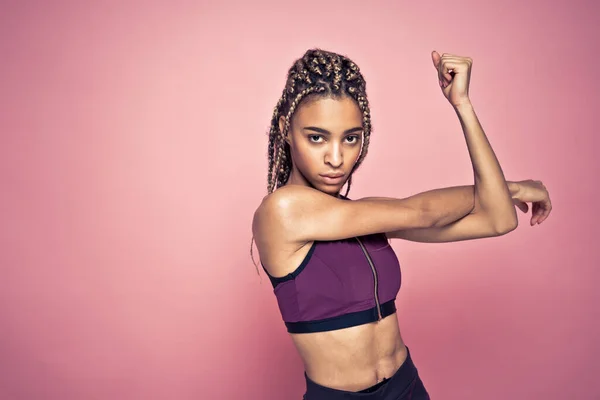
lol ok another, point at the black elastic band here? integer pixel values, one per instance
(342, 321)
(375, 387)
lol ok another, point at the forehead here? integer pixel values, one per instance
(329, 113)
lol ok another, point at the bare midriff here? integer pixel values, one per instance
(355, 358)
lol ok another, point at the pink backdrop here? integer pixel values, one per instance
(133, 153)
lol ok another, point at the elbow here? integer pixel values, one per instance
(506, 226)
(503, 220)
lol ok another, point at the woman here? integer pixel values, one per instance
(334, 274)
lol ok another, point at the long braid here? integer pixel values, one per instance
(316, 73)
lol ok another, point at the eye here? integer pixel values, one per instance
(352, 139)
(315, 138)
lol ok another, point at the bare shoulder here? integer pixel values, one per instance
(278, 212)
(276, 229)
(290, 196)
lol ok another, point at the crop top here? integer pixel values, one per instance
(340, 284)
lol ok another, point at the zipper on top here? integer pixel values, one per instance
(375, 278)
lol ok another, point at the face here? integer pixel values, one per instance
(325, 139)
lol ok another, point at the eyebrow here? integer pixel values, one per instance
(325, 131)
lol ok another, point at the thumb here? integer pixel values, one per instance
(435, 57)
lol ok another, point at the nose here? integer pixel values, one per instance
(334, 155)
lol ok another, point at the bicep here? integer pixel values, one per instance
(472, 226)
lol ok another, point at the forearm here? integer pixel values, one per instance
(491, 193)
(450, 204)
(446, 205)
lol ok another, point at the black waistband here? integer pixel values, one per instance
(343, 321)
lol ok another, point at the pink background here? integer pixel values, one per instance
(133, 153)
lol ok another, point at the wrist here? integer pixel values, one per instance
(463, 105)
(513, 188)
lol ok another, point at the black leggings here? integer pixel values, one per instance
(405, 384)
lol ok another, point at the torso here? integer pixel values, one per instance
(349, 359)
(355, 358)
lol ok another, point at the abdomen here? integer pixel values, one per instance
(353, 358)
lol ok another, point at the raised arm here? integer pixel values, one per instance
(493, 212)
(493, 200)
(492, 196)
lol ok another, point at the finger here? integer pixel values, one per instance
(448, 55)
(534, 210)
(521, 206)
(453, 64)
(540, 213)
(450, 67)
(445, 67)
(547, 210)
(453, 57)
(456, 60)
(435, 57)
(467, 60)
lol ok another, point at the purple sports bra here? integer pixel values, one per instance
(340, 284)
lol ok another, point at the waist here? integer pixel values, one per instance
(404, 383)
(353, 358)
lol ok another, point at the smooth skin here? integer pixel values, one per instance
(325, 139)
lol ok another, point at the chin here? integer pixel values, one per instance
(329, 189)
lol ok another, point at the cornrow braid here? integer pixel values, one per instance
(316, 73)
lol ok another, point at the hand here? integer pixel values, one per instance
(454, 74)
(531, 191)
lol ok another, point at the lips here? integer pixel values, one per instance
(332, 179)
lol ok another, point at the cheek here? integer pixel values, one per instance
(305, 157)
(355, 154)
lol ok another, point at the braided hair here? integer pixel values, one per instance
(318, 73)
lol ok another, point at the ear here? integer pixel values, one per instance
(281, 126)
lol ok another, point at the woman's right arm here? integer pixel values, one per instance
(301, 214)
